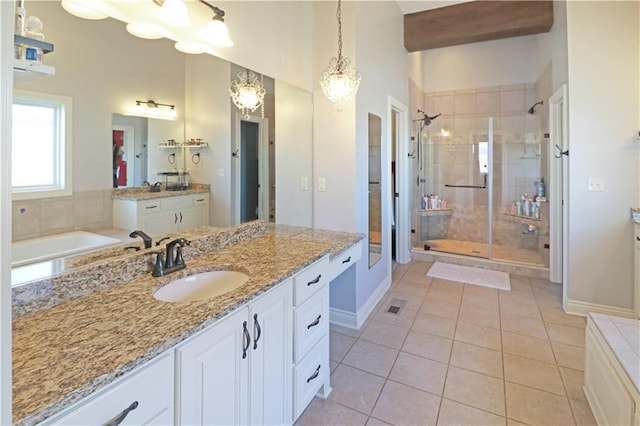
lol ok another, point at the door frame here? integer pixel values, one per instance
(263, 165)
(403, 182)
(129, 151)
(559, 190)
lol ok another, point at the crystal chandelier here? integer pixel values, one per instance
(339, 80)
(247, 92)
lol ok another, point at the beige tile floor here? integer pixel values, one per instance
(458, 354)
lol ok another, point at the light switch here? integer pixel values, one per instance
(220, 172)
(322, 184)
(304, 183)
(595, 184)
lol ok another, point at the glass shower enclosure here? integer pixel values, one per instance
(476, 193)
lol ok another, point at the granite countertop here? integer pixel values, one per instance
(623, 337)
(143, 192)
(65, 352)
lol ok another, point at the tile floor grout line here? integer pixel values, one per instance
(446, 375)
(543, 298)
(504, 373)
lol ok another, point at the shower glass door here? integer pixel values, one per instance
(454, 179)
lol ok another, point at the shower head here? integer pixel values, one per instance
(533, 108)
(426, 120)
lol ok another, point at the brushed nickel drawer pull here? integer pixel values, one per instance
(200, 199)
(151, 207)
(316, 281)
(314, 375)
(315, 322)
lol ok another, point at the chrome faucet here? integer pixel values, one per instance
(145, 237)
(173, 260)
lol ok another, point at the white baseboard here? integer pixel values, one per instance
(576, 307)
(355, 320)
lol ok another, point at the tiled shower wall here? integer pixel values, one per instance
(84, 210)
(520, 159)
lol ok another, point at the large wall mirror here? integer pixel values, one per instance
(375, 190)
(114, 70)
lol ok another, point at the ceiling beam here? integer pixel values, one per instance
(475, 21)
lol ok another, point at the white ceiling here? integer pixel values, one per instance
(412, 6)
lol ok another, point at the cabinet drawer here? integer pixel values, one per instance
(309, 376)
(310, 280)
(149, 206)
(177, 202)
(200, 199)
(340, 263)
(311, 322)
(151, 386)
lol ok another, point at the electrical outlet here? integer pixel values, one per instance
(322, 184)
(220, 172)
(304, 183)
(595, 184)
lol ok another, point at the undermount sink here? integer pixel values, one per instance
(200, 286)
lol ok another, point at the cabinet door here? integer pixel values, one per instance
(213, 375)
(271, 357)
(191, 218)
(161, 223)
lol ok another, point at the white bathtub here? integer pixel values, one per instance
(60, 245)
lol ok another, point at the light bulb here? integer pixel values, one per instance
(175, 12)
(82, 10)
(190, 47)
(145, 30)
(218, 33)
(339, 85)
(248, 97)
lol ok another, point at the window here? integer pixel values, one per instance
(41, 145)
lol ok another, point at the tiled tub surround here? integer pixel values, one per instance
(64, 352)
(70, 282)
(82, 211)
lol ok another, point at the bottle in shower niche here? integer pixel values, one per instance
(540, 189)
(423, 202)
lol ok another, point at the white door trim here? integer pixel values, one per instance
(559, 189)
(129, 151)
(263, 166)
(6, 100)
(403, 217)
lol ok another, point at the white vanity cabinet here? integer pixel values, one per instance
(161, 216)
(311, 335)
(342, 262)
(147, 391)
(238, 371)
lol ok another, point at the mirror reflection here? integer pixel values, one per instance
(375, 191)
(104, 82)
